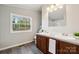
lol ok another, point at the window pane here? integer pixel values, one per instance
(20, 23)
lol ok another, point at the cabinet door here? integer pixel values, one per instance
(65, 48)
(42, 43)
(38, 42)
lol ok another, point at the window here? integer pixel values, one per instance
(20, 23)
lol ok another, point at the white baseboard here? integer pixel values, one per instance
(1, 49)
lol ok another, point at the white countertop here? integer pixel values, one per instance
(69, 39)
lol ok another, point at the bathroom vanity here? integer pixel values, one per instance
(62, 46)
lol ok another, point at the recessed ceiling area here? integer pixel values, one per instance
(34, 7)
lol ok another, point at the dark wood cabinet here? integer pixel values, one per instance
(66, 48)
(61, 46)
(42, 43)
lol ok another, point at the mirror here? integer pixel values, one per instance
(57, 17)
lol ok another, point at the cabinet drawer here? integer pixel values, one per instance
(67, 48)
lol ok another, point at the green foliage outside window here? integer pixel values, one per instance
(19, 24)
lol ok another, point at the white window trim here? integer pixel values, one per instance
(11, 30)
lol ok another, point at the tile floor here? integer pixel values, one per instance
(29, 48)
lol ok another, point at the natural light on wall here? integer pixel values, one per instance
(54, 7)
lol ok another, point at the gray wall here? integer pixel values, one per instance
(9, 39)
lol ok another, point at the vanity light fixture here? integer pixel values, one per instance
(48, 8)
(54, 7)
(60, 6)
(51, 10)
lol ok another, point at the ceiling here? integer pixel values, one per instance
(34, 7)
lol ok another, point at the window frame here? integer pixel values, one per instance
(11, 24)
